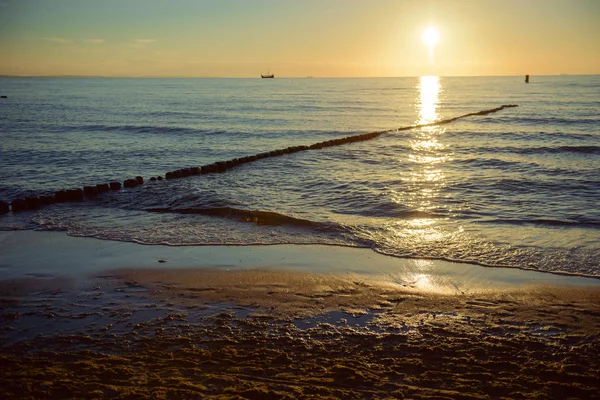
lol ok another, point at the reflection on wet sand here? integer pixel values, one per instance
(267, 334)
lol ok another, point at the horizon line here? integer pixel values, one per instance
(282, 77)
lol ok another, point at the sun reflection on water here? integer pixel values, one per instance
(425, 180)
(429, 91)
(421, 277)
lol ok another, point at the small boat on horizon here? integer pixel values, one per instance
(267, 75)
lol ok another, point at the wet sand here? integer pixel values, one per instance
(264, 333)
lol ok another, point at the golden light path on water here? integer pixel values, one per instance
(426, 178)
(423, 182)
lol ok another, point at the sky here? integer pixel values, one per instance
(293, 38)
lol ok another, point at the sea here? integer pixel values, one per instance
(516, 188)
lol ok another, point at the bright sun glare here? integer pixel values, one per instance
(430, 36)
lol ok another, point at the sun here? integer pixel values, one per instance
(430, 36)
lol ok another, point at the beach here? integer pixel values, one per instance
(420, 219)
(206, 327)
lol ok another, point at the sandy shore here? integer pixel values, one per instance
(256, 333)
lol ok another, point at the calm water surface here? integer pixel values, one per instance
(518, 188)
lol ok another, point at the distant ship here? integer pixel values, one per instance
(267, 75)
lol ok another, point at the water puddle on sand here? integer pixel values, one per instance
(103, 307)
(112, 309)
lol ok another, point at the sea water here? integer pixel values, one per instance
(517, 188)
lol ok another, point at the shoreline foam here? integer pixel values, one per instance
(54, 254)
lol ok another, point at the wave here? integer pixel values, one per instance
(541, 121)
(181, 130)
(561, 149)
(586, 274)
(139, 129)
(254, 216)
(542, 150)
(531, 185)
(489, 163)
(142, 129)
(393, 212)
(522, 136)
(546, 222)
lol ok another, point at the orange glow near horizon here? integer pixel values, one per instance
(380, 38)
